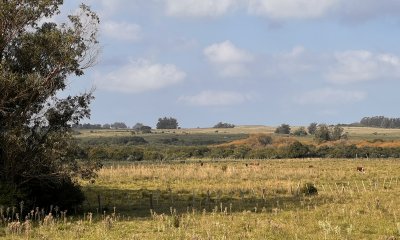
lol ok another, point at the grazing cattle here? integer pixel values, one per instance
(201, 163)
(310, 166)
(360, 169)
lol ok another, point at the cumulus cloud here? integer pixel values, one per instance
(286, 9)
(228, 59)
(360, 66)
(215, 98)
(328, 96)
(226, 52)
(139, 76)
(198, 8)
(122, 31)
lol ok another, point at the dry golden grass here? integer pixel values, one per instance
(229, 200)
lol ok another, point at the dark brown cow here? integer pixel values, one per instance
(360, 169)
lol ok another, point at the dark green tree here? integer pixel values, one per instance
(167, 123)
(38, 156)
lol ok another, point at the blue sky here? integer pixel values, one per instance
(246, 62)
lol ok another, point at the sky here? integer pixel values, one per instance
(245, 62)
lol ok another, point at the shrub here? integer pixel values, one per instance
(309, 189)
(283, 129)
(297, 150)
(300, 132)
(264, 139)
(136, 155)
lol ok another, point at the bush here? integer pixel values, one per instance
(283, 129)
(64, 194)
(297, 150)
(136, 155)
(264, 139)
(130, 140)
(300, 132)
(309, 189)
(241, 152)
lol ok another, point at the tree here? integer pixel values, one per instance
(322, 133)
(283, 129)
(137, 126)
(312, 128)
(224, 125)
(337, 132)
(38, 156)
(119, 125)
(167, 123)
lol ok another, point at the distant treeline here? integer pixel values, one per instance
(294, 150)
(116, 125)
(380, 122)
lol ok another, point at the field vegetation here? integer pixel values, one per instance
(227, 199)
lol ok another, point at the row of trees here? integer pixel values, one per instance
(321, 132)
(224, 125)
(163, 123)
(381, 122)
(116, 125)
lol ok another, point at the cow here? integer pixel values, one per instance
(360, 169)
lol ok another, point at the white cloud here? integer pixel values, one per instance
(359, 66)
(286, 9)
(140, 76)
(328, 96)
(122, 30)
(215, 98)
(228, 59)
(198, 8)
(226, 52)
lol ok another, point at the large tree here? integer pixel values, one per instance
(167, 123)
(38, 156)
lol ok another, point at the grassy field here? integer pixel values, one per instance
(239, 132)
(231, 200)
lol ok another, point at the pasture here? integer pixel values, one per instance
(230, 199)
(213, 135)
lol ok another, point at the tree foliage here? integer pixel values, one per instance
(224, 125)
(283, 129)
(167, 123)
(312, 128)
(325, 133)
(301, 131)
(381, 122)
(38, 157)
(119, 125)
